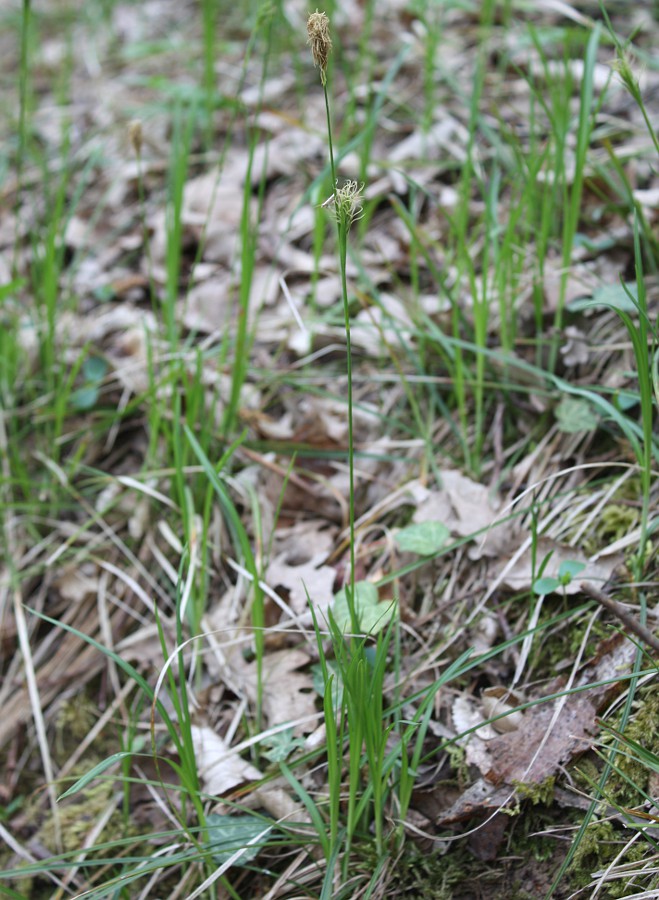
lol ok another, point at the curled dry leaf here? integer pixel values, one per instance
(497, 700)
(486, 632)
(467, 717)
(278, 803)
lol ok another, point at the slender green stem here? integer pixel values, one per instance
(330, 144)
(343, 224)
(343, 238)
(22, 122)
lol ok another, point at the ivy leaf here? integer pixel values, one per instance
(574, 414)
(86, 397)
(372, 615)
(424, 538)
(227, 834)
(281, 744)
(615, 296)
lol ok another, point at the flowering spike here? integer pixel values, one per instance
(136, 136)
(320, 40)
(347, 203)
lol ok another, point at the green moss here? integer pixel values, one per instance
(74, 720)
(78, 816)
(597, 847)
(430, 875)
(557, 645)
(458, 761)
(537, 793)
(600, 845)
(457, 873)
(629, 778)
(527, 839)
(586, 772)
(615, 522)
(644, 730)
(617, 518)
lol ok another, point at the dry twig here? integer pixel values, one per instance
(618, 610)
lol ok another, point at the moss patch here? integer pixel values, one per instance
(626, 784)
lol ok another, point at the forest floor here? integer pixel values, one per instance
(328, 575)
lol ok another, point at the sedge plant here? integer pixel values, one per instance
(354, 711)
(347, 208)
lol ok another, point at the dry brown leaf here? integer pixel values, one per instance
(288, 694)
(553, 732)
(581, 282)
(466, 507)
(283, 154)
(478, 799)
(544, 746)
(77, 582)
(220, 769)
(306, 582)
(312, 539)
(208, 305)
(212, 211)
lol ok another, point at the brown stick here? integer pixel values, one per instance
(619, 611)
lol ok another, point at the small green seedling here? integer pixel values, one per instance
(85, 397)
(566, 572)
